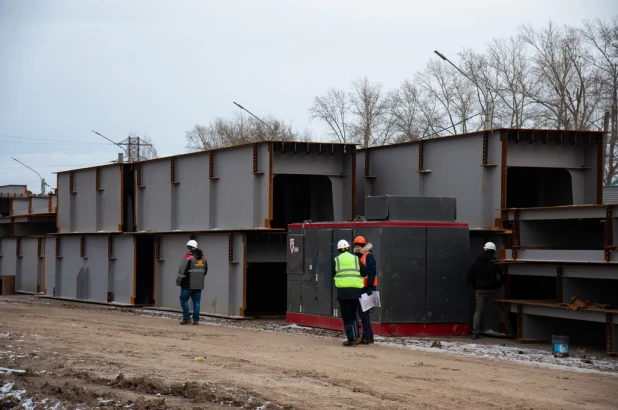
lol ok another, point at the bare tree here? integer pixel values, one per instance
(568, 84)
(602, 37)
(240, 129)
(374, 118)
(455, 94)
(407, 113)
(333, 108)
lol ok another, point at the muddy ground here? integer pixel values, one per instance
(64, 355)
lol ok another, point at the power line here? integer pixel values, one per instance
(50, 140)
(52, 143)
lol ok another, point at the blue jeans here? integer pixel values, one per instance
(196, 297)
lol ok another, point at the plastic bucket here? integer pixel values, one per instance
(560, 346)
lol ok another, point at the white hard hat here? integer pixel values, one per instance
(490, 245)
(342, 244)
(192, 243)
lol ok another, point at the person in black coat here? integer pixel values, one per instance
(486, 278)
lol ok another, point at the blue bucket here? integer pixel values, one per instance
(560, 346)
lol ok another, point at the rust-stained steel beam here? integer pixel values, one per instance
(516, 243)
(29, 205)
(485, 147)
(57, 247)
(608, 333)
(39, 246)
(520, 322)
(17, 247)
(600, 168)
(421, 159)
(609, 235)
(559, 283)
(97, 178)
(49, 203)
(255, 158)
(82, 246)
(211, 164)
(138, 172)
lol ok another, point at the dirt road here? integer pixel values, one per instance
(90, 356)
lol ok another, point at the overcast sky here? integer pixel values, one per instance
(157, 68)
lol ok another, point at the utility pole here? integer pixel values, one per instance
(489, 106)
(133, 145)
(43, 183)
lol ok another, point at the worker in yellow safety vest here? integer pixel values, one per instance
(349, 274)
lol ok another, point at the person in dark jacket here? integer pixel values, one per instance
(486, 278)
(362, 249)
(349, 274)
(191, 274)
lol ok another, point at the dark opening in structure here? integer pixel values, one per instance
(529, 187)
(144, 269)
(532, 287)
(128, 195)
(576, 234)
(298, 198)
(5, 207)
(266, 289)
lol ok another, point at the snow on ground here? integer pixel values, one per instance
(17, 398)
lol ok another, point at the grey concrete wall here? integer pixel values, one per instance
(63, 203)
(8, 261)
(97, 263)
(456, 171)
(68, 266)
(11, 190)
(223, 293)
(29, 266)
(20, 206)
(121, 268)
(40, 205)
(50, 265)
(83, 201)
(87, 209)
(108, 201)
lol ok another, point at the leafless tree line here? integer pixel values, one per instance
(240, 129)
(553, 77)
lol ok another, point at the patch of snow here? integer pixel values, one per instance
(5, 370)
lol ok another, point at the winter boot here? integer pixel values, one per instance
(186, 321)
(351, 335)
(196, 321)
(364, 341)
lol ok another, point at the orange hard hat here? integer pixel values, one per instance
(360, 240)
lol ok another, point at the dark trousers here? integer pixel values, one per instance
(366, 320)
(483, 299)
(348, 308)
